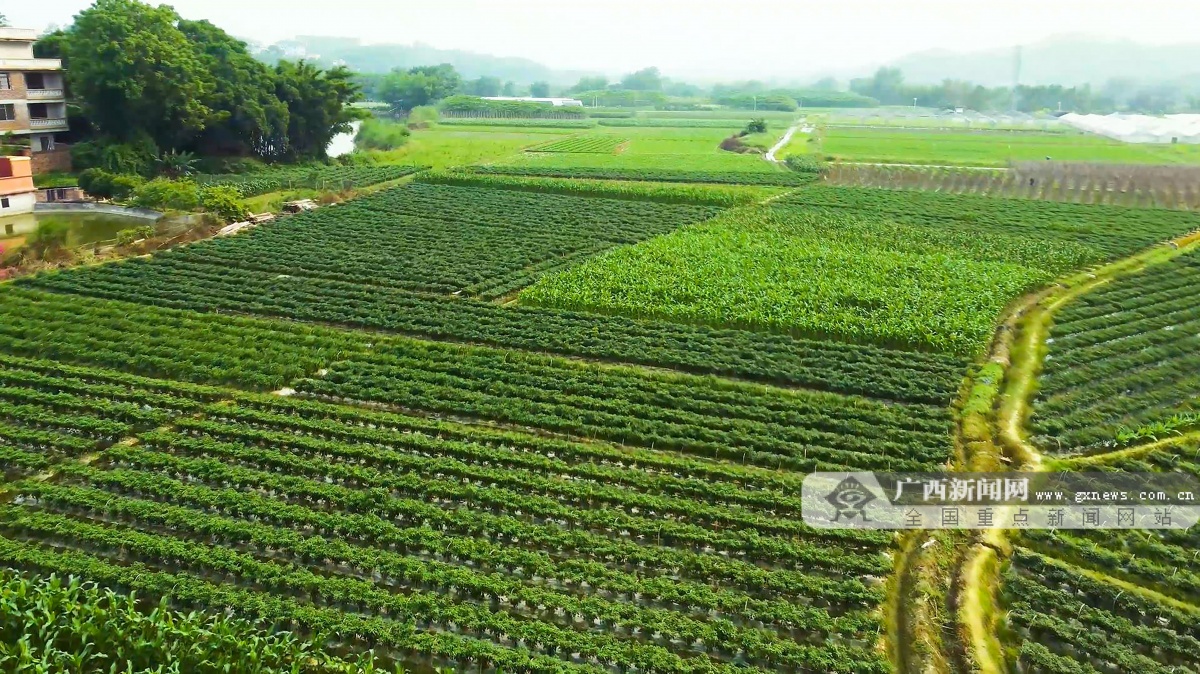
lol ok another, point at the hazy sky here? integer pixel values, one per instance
(706, 38)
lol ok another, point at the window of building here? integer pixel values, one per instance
(5, 82)
(8, 112)
(4, 202)
(35, 81)
(39, 111)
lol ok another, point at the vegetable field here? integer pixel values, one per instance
(442, 239)
(316, 177)
(550, 411)
(1124, 364)
(583, 144)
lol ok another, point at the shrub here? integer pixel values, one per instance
(224, 201)
(123, 185)
(756, 126)
(138, 157)
(804, 164)
(50, 235)
(128, 236)
(423, 114)
(380, 135)
(160, 194)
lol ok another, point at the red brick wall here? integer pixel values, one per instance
(58, 159)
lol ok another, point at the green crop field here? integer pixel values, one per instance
(849, 264)
(989, 148)
(548, 408)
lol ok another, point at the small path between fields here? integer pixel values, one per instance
(799, 126)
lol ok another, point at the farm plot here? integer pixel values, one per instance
(1124, 362)
(818, 273)
(50, 412)
(1073, 182)
(1068, 594)
(315, 177)
(1110, 231)
(598, 144)
(513, 550)
(798, 431)
(989, 148)
(442, 239)
(171, 280)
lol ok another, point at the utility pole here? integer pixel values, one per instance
(914, 102)
(755, 103)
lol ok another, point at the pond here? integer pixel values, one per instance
(85, 228)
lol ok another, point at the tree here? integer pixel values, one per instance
(510, 89)
(317, 105)
(825, 84)
(484, 86)
(249, 118)
(540, 90)
(3, 21)
(647, 79)
(886, 85)
(589, 84)
(130, 63)
(419, 86)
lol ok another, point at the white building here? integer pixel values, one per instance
(556, 102)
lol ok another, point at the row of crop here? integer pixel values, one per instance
(157, 342)
(1152, 570)
(1079, 621)
(442, 581)
(1122, 362)
(1112, 230)
(819, 430)
(600, 144)
(437, 238)
(709, 195)
(472, 461)
(780, 177)
(312, 418)
(313, 177)
(518, 122)
(136, 469)
(419, 611)
(101, 492)
(783, 553)
(171, 281)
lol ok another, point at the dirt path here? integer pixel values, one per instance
(1025, 347)
(799, 126)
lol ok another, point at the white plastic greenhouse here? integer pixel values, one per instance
(1139, 128)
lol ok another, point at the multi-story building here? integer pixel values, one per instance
(17, 194)
(33, 102)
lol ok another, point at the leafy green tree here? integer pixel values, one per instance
(589, 84)
(317, 105)
(249, 118)
(484, 86)
(647, 79)
(510, 89)
(539, 89)
(419, 86)
(135, 71)
(3, 21)
(177, 164)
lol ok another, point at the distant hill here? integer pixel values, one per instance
(382, 58)
(1064, 59)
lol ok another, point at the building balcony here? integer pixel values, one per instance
(49, 124)
(44, 94)
(27, 65)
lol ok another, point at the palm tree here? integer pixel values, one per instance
(177, 164)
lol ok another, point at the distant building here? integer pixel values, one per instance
(17, 193)
(556, 102)
(33, 103)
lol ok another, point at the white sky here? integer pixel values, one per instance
(684, 38)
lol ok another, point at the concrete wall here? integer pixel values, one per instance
(18, 203)
(74, 207)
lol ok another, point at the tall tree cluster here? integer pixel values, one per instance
(144, 77)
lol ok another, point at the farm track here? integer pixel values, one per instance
(1020, 346)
